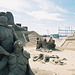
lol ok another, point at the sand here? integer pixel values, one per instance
(48, 68)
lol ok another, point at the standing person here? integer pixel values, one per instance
(7, 39)
(51, 43)
(44, 45)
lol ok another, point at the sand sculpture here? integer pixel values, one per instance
(68, 42)
(54, 59)
(9, 16)
(16, 27)
(27, 37)
(20, 59)
(46, 45)
(7, 40)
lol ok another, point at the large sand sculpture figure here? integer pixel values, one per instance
(7, 40)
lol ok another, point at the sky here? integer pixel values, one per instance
(42, 16)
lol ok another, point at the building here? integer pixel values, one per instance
(64, 32)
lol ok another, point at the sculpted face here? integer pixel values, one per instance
(18, 45)
(3, 20)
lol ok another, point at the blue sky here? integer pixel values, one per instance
(41, 15)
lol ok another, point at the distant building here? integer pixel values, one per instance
(55, 35)
(64, 32)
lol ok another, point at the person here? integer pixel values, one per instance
(7, 39)
(51, 43)
(44, 45)
(18, 61)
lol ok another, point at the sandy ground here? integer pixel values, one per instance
(48, 68)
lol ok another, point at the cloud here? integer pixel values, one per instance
(48, 5)
(16, 5)
(74, 13)
(41, 15)
(18, 16)
(43, 4)
(22, 5)
(61, 9)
